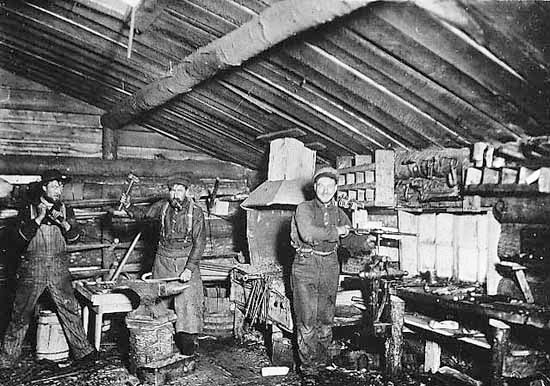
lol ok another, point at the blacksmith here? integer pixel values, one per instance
(181, 244)
(45, 227)
(316, 230)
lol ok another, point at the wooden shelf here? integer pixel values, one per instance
(501, 189)
(369, 184)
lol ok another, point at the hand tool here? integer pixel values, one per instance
(132, 179)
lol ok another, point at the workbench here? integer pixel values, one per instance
(493, 319)
(98, 300)
(519, 313)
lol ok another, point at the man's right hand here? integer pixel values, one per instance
(343, 230)
(42, 211)
(125, 201)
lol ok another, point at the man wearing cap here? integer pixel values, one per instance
(316, 230)
(44, 228)
(181, 244)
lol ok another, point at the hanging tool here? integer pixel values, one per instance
(212, 196)
(132, 179)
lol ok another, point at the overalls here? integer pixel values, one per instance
(45, 266)
(314, 278)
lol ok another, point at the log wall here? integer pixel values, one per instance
(35, 120)
(40, 128)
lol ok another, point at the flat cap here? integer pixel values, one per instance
(53, 175)
(179, 179)
(326, 172)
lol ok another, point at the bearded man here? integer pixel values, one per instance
(45, 227)
(181, 244)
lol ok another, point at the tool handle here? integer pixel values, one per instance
(121, 205)
(125, 258)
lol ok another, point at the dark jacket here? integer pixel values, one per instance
(314, 226)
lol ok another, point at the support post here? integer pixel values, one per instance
(109, 146)
(500, 346)
(394, 343)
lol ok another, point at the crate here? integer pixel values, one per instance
(363, 183)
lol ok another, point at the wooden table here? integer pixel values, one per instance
(497, 319)
(97, 300)
(527, 314)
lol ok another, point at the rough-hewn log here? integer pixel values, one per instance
(500, 346)
(393, 346)
(97, 167)
(109, 144)
(523, 210)
(277, 23)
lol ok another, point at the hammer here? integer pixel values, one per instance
(133, 179)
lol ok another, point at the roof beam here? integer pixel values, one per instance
(274, 25)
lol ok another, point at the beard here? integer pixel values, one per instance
(55, 201)
(176, 203)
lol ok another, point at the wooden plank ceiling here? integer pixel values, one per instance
(392, 75)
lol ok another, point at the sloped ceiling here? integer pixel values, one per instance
(391, 75)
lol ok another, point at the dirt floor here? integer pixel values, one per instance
(222, 362)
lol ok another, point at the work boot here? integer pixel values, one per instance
(87, 360)
(307, 376)
(186, 343)
(7, 362)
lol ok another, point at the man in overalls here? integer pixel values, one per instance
(45, 227)
(181, 244)
(316, 230)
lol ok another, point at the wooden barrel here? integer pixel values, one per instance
(219, 324)
(218, 318)
(51, 343)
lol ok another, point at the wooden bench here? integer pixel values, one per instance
(506, 360)
(95, 304)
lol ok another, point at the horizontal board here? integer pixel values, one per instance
(43, 100)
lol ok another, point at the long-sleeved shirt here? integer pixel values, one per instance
(28, 226)
(175, 232)
(314, 226)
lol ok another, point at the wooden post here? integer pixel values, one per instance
(109, 147)
(432, 357)
(500, 346)
(394, 343)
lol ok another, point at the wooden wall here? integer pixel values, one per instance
(41, 128)
(36, 120)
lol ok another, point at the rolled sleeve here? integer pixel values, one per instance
(199, 239)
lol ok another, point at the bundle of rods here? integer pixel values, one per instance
(258, 301)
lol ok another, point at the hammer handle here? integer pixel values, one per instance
(115, 274)
(121, 205)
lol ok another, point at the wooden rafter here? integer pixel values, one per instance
(277, 23)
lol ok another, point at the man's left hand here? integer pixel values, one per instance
(185, 275)
(66, 225)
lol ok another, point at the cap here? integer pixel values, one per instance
(326, 172)
(181, 179)
(53, 175)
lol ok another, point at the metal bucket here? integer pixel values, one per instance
(51, 343)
